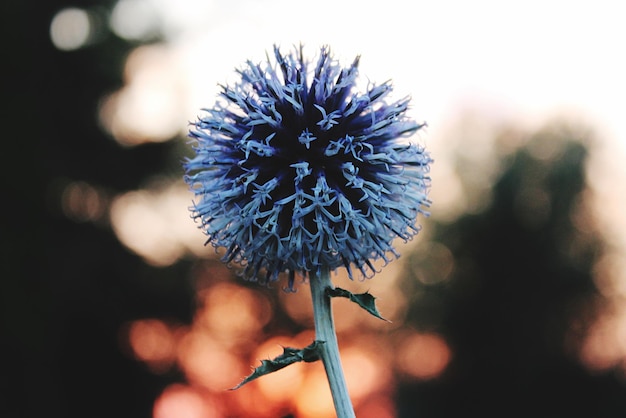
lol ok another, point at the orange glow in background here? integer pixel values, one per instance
(227, 339)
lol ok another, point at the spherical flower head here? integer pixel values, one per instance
(295, 170)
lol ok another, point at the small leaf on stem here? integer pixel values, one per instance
(289, 356)
(364, 300)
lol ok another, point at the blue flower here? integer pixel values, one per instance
(295, 170)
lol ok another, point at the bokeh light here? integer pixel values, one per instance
(154, 343)
(367, 368)
(71, 29)
(135, 19)
(422, 356)
(150, 107)
(82, 202)
(209, 364)
(185, 402)
(314, 398)
(155, 223)
(233, 314)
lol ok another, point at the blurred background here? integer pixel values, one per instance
(511, 302)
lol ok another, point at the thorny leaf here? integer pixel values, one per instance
(289, 356)
(364, 300)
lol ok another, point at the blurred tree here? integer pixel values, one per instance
(520, 280)
(68, 286)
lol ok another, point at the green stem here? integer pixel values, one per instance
(325, 331)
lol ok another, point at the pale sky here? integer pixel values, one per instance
(524, 60)
(528, 59)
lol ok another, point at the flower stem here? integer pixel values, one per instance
(325, 331)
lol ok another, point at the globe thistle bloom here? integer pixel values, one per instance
(295, 170)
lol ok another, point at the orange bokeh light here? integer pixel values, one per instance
(232, 313)
(423, 356)
(605, 346)
(179, 401)
(366, 371)
(153, 342)
(208, 363)
(313, 399)
(377, 406)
